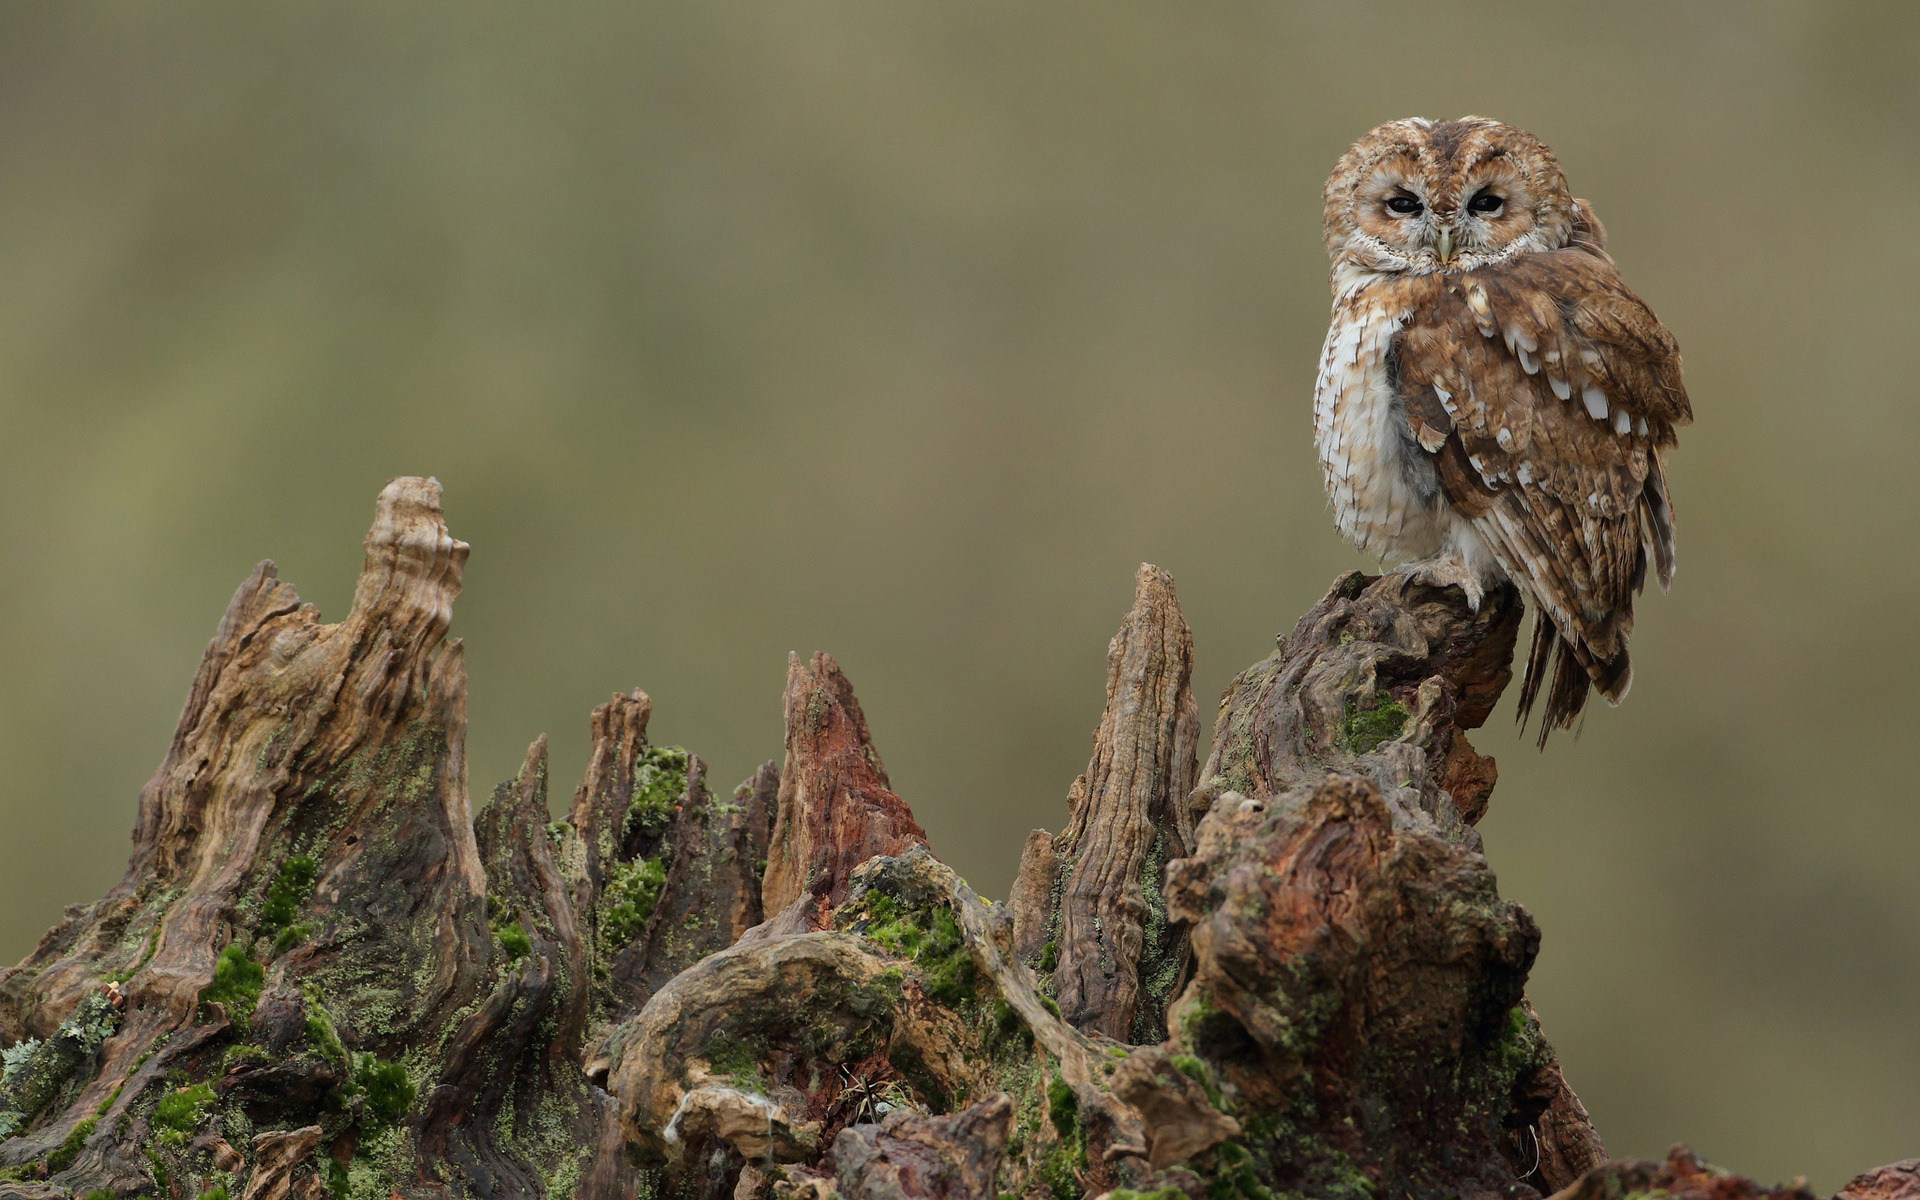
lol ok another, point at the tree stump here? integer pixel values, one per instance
(1286, 971)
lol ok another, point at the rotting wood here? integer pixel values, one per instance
(837, 807)
(1117, 958)
(323, 976)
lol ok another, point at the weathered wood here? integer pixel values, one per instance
(315, 931)
(1381, 680)
(1119, 958)
(1895, 1181)
(312, 812)
(323, 977)
(837, 808)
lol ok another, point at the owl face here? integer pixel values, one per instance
(1417, 196)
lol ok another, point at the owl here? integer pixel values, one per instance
(1493, 402)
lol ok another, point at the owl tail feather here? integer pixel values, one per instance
(1575, 668)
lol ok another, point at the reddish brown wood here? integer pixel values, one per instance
(836, 808)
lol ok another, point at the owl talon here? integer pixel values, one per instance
(1444, 572)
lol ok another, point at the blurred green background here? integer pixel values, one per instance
(906, 331)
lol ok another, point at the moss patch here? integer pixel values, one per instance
(68, 1150)
(503, 921)
(180, 1112)
(1362, 729)
(931, 939)
(659, 780)
(237, 980)
(388, 1091)
(1063, 1107)
(291, 891)
(633, 889)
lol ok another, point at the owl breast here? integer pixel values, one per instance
(1386, 496)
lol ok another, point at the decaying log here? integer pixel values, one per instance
(325, 976)
(1116, 959)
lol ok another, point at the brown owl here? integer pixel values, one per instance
(1493, 402)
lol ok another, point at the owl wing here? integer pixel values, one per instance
(1548, 394)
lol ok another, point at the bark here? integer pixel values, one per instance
(325, 976)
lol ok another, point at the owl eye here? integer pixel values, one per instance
(1485, 202)
(1406, 206)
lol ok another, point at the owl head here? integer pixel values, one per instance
(1417, 196)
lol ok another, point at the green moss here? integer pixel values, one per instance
(737, 1059)
(1057, 1172)
(290, 937)
(632, 890)
(1362, 729)
(1195, 1069)
(290, 892)
(930, 938)
(217, 1192)
(1521, 1046)
(565, 1179)
(659, 780)
(1049, 956)
(1165, 1193)
(181, 1111)
(339, 1183)
(1009, 1028)
(99, 1194)
(243, 1053)
(514, 943)
(388, 1091)
(946, 963)
(108, 1102)
(320, 1032)
(1234, 1177)
(68, 1150)
(237, 980)
(503, 921)
(1063, 1107)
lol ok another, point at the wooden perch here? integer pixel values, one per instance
(1287, 971)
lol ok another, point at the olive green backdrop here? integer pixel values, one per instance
(906, 331)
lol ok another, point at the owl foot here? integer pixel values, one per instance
(1445, 570)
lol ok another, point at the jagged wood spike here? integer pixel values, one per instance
(836, 806)
(1119, 958)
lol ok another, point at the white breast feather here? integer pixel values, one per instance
(1352, 427)
(1356, 432)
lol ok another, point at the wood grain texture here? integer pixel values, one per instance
(322, 977)
(1119, 957)
(836, 808)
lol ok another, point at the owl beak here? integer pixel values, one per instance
(1445, 247)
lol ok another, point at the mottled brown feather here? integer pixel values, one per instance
(1573, 530)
